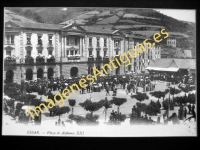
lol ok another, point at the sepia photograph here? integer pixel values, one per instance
(99, 72)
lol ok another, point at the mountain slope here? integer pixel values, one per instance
(125, 19)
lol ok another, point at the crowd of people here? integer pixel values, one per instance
(128, 82)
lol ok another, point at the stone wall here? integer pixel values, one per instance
(16, 73)
(82, 69)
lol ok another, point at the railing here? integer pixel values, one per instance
(51, 60)
(90, 59)
(9, 61)
(40, 60)
(74, 58)
(29, 60)
(105, 59)
(98, 59)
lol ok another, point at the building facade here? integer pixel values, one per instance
(36, 50)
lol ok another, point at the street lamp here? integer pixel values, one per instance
(168, 102)
(22, 86)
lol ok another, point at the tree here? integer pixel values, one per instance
(89, 119)
(140, 96)
(72, 103)
(61, 110)
(90, 106)
(153, 108)
(159, 94)
(26, 98)
(174, 91)
(12, 90)
(118, 102)
(18, 108)
(106, 104)
(141, 106)
(186, 89)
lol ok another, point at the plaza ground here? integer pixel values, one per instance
(187, 128)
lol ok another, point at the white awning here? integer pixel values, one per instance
(162, 69)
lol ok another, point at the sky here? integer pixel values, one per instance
(180, 14)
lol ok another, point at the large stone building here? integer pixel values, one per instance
(35, 50)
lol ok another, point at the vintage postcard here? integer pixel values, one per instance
(99, 72)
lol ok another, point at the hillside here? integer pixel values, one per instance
(125, 19)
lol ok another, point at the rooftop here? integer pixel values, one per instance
(39, 25)
(167, 62)
(149, 33)
(97, 30)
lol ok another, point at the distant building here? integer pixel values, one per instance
(188, 53)
(179, 54)
(171, 42)
(172, 65)
(36, 50)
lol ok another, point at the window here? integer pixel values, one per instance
(90, 53)
(104, 53)
(50, 52)
(98, 53)
(129, 68)
(28, 53)
(39, 39)
(72, 41)
(39, 51)
(76, 41)
(105, 42)
(9, 39)
(116, 43)
(50, 39)
(71, 53)
(75, 52)
(117, 52)
(8, 53)
(98, 42)
(28, 38)
(90, 41)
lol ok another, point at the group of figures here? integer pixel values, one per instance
(174, 78)
(137, 118)
(59, 123)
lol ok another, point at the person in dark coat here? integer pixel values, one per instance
(180, 113)
(107, 90)
(184, 113)
(158, 120)
(63, 124)
(134, 109)
(193, 107)
(193, 112)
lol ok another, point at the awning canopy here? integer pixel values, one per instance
(162, 69)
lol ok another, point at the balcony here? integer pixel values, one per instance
(91, 59)
(51, 60)
(29, 60)
(99, 59)
(105, 59)
(40, 60)
(74, 58)
(10, 60)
